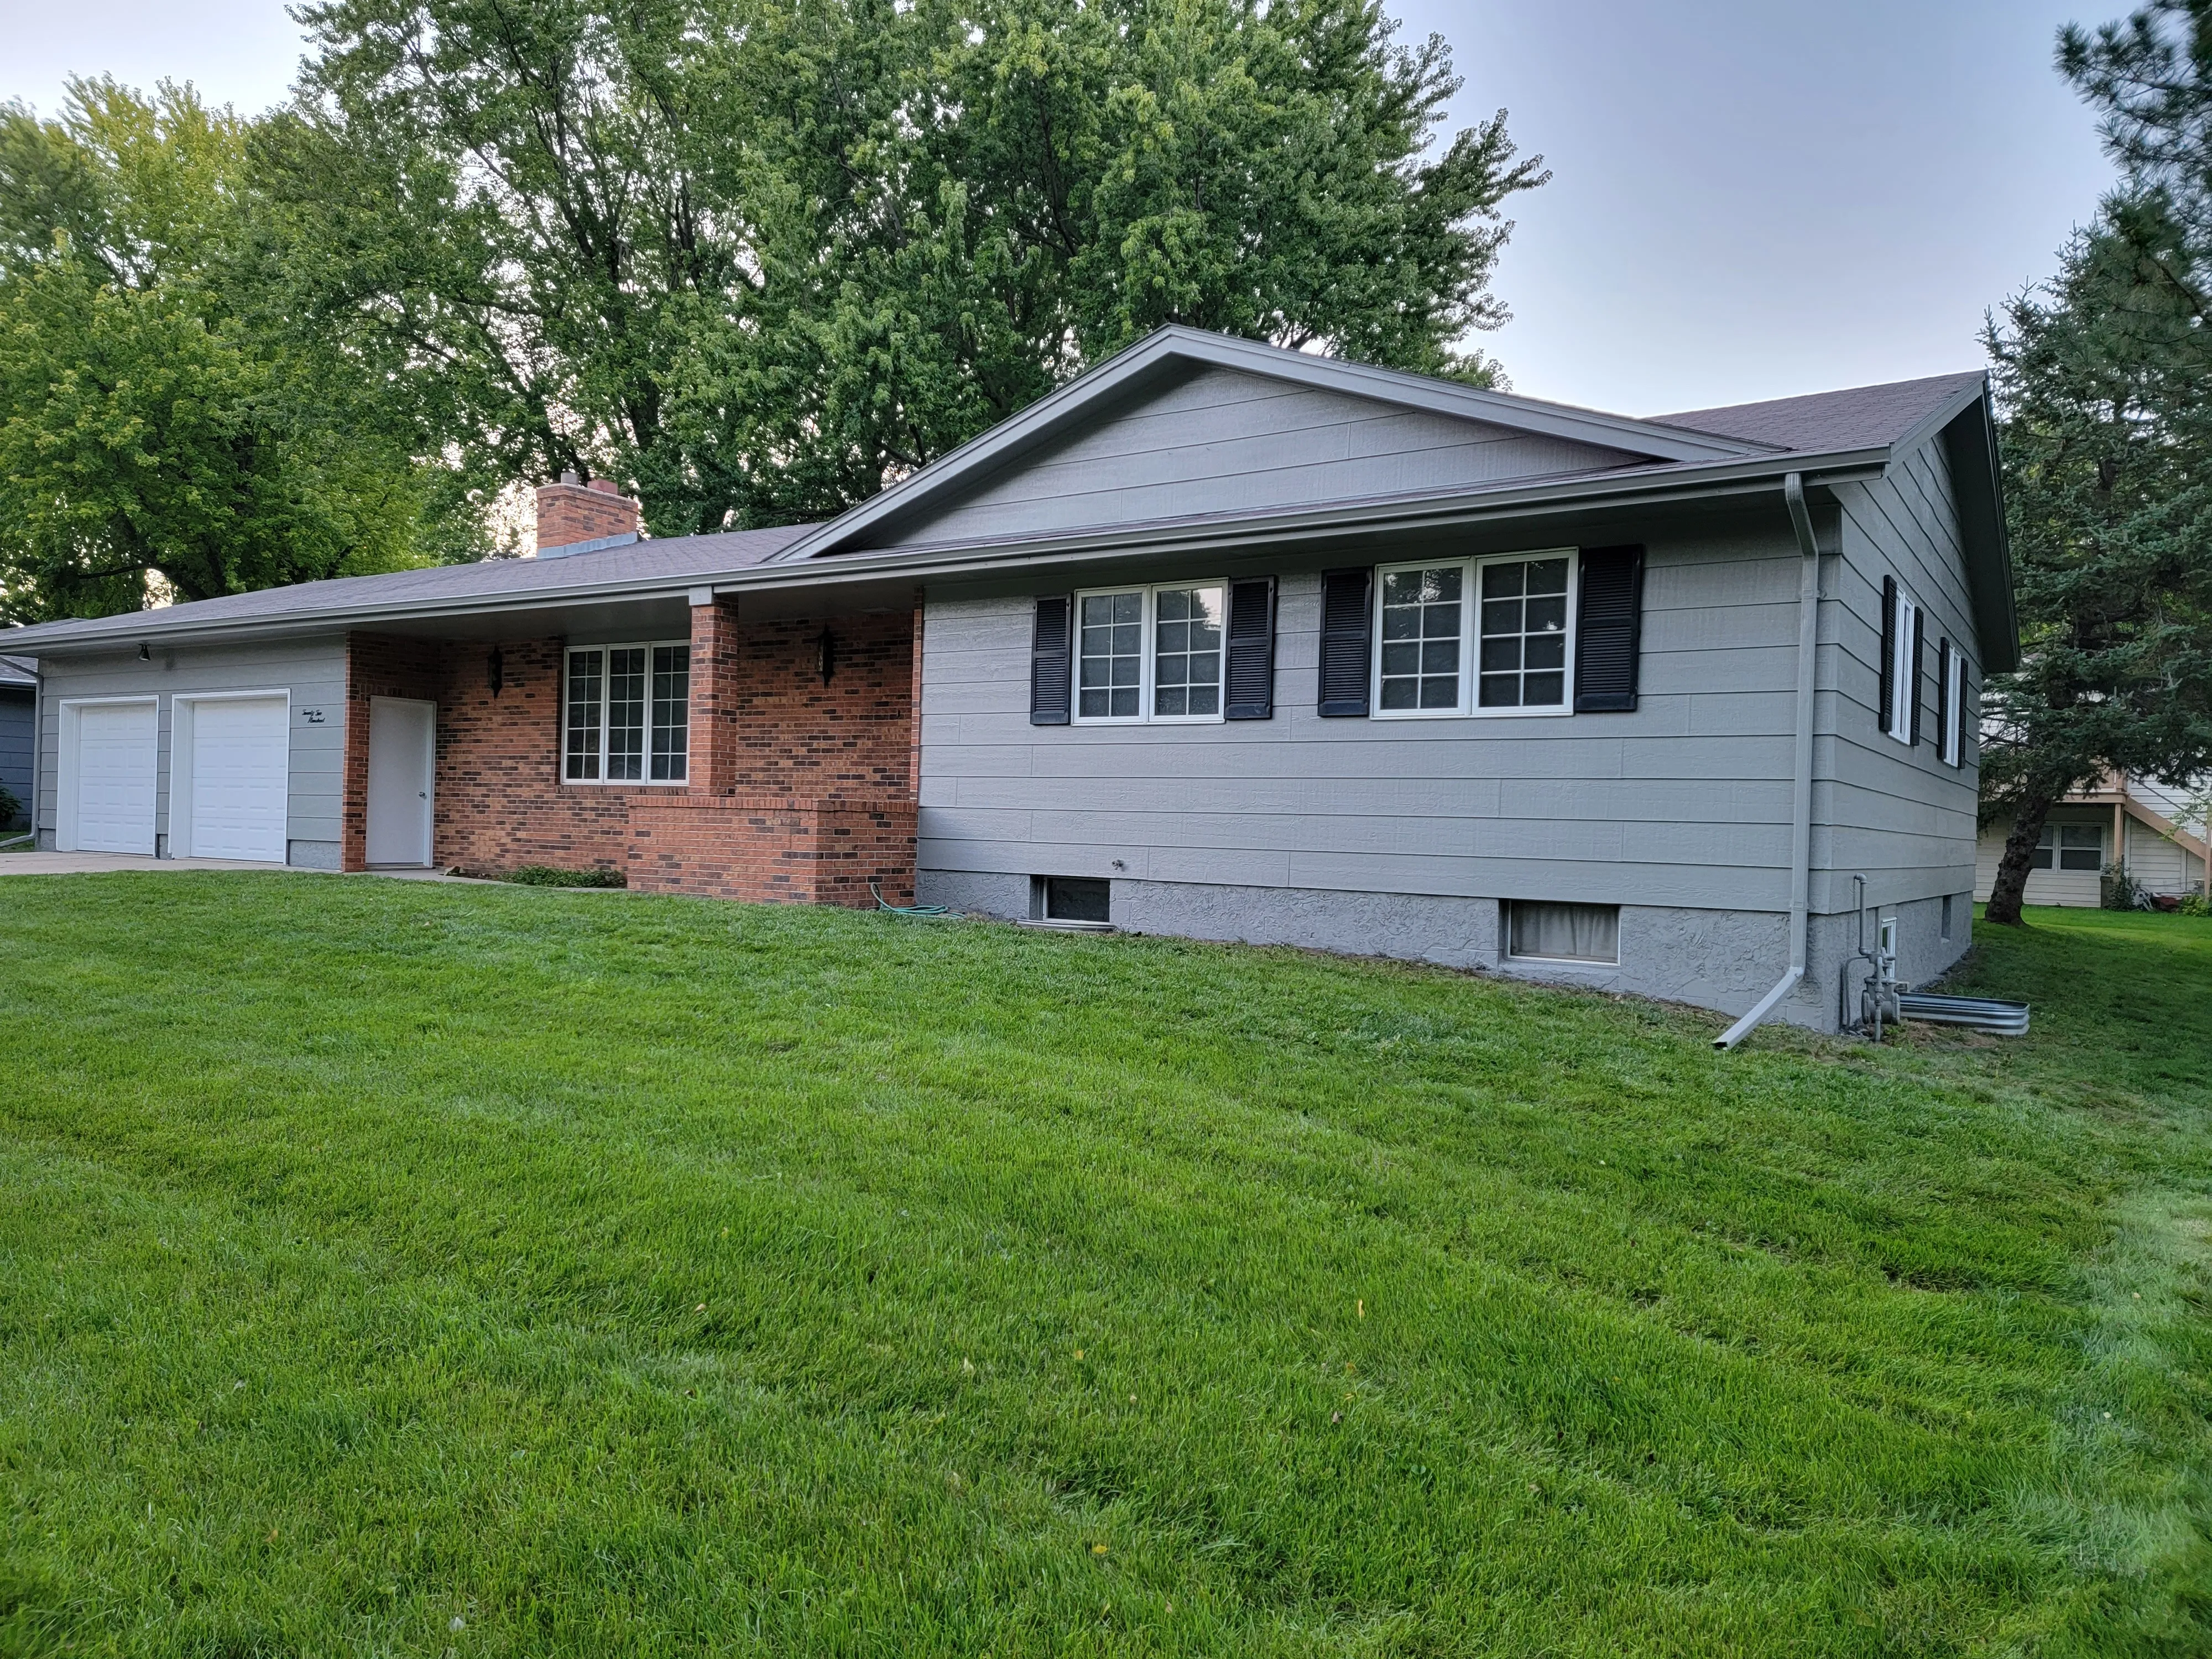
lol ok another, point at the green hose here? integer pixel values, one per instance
(907, 909)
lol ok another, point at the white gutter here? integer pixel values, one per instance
(1801, 818)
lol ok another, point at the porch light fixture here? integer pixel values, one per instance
(828, 646)
(496, 669)
(145, 652)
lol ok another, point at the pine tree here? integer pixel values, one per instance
(2104, 378)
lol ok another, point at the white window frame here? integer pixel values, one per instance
(1470, 637)
(1903, 669)
(560, 749)
(1954, 703)
(2054, 835)
(1146, 666)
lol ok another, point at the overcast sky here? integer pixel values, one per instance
(1750, 198)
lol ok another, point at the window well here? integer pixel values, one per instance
(1562, 932)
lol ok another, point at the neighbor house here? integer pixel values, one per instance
(19, 690)
(1217, 640)
(2156, 833)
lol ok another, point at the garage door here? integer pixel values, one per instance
(113, 772)
(241, 761)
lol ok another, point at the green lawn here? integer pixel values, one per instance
(393, 1268)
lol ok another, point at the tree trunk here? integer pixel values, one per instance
(2018, 850)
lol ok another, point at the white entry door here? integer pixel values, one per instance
(112, 778)
(403, 765)
(240, 778)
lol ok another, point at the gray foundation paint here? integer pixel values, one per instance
(1724, 960)
(315, 854)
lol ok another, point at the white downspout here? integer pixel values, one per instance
(1801, 816)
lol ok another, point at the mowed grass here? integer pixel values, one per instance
(389, 1268)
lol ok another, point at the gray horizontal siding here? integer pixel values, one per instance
(1684, 802)
(1896, 814)
(1224, 441)
(17, 722)
(312, 671)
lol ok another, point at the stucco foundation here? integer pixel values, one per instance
(1724, 960)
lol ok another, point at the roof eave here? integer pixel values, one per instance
(1612, 493)
(1970, 443)
(1411, 512)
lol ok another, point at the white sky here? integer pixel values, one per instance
(1750, 198)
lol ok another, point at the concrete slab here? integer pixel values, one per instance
(93, 864)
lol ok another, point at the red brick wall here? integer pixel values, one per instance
(567, 514)
(831, 766)
(501, 800)
(771, 727)
(378, 665)
(775, 848)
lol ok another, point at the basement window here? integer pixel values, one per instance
(1562, 932)
(1071, 898)
(626, 713)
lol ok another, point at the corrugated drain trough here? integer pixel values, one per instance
(1978, 1014)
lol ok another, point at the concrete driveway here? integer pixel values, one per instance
(89, 863)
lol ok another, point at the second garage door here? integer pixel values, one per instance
(240, 773)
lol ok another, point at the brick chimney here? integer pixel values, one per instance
(570, 513)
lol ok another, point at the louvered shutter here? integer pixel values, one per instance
(1608, 629)
(1345, 662)
(1050, 669)
(1943, 699)
(1914, 689)
(1250, 671)
(1889, 707)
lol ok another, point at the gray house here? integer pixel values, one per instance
(1218, 640)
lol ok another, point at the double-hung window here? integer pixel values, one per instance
(626, 713)
(2069, 847)
(1953, 699)
(1903, 668)
(1150, 654)
(1492, 635)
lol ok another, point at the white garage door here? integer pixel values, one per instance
(240, 759)
(113, 769)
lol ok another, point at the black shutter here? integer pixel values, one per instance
(1943, 699)
(1250, 671)
(1346, 665)
(1919, 673)
(1049, 672)
(1608, 629)
(1888, 653)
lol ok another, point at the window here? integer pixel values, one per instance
(1071, 898)
(1150, 654)
(1903, 668)
(2069, 847)
(1946, 929)
(1517, 614)
(628, 715)
(1422, 614)
(1524, 634)
(1562, 932)
(1953, 735)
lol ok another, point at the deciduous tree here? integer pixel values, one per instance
(159, 425)
(763, 258)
